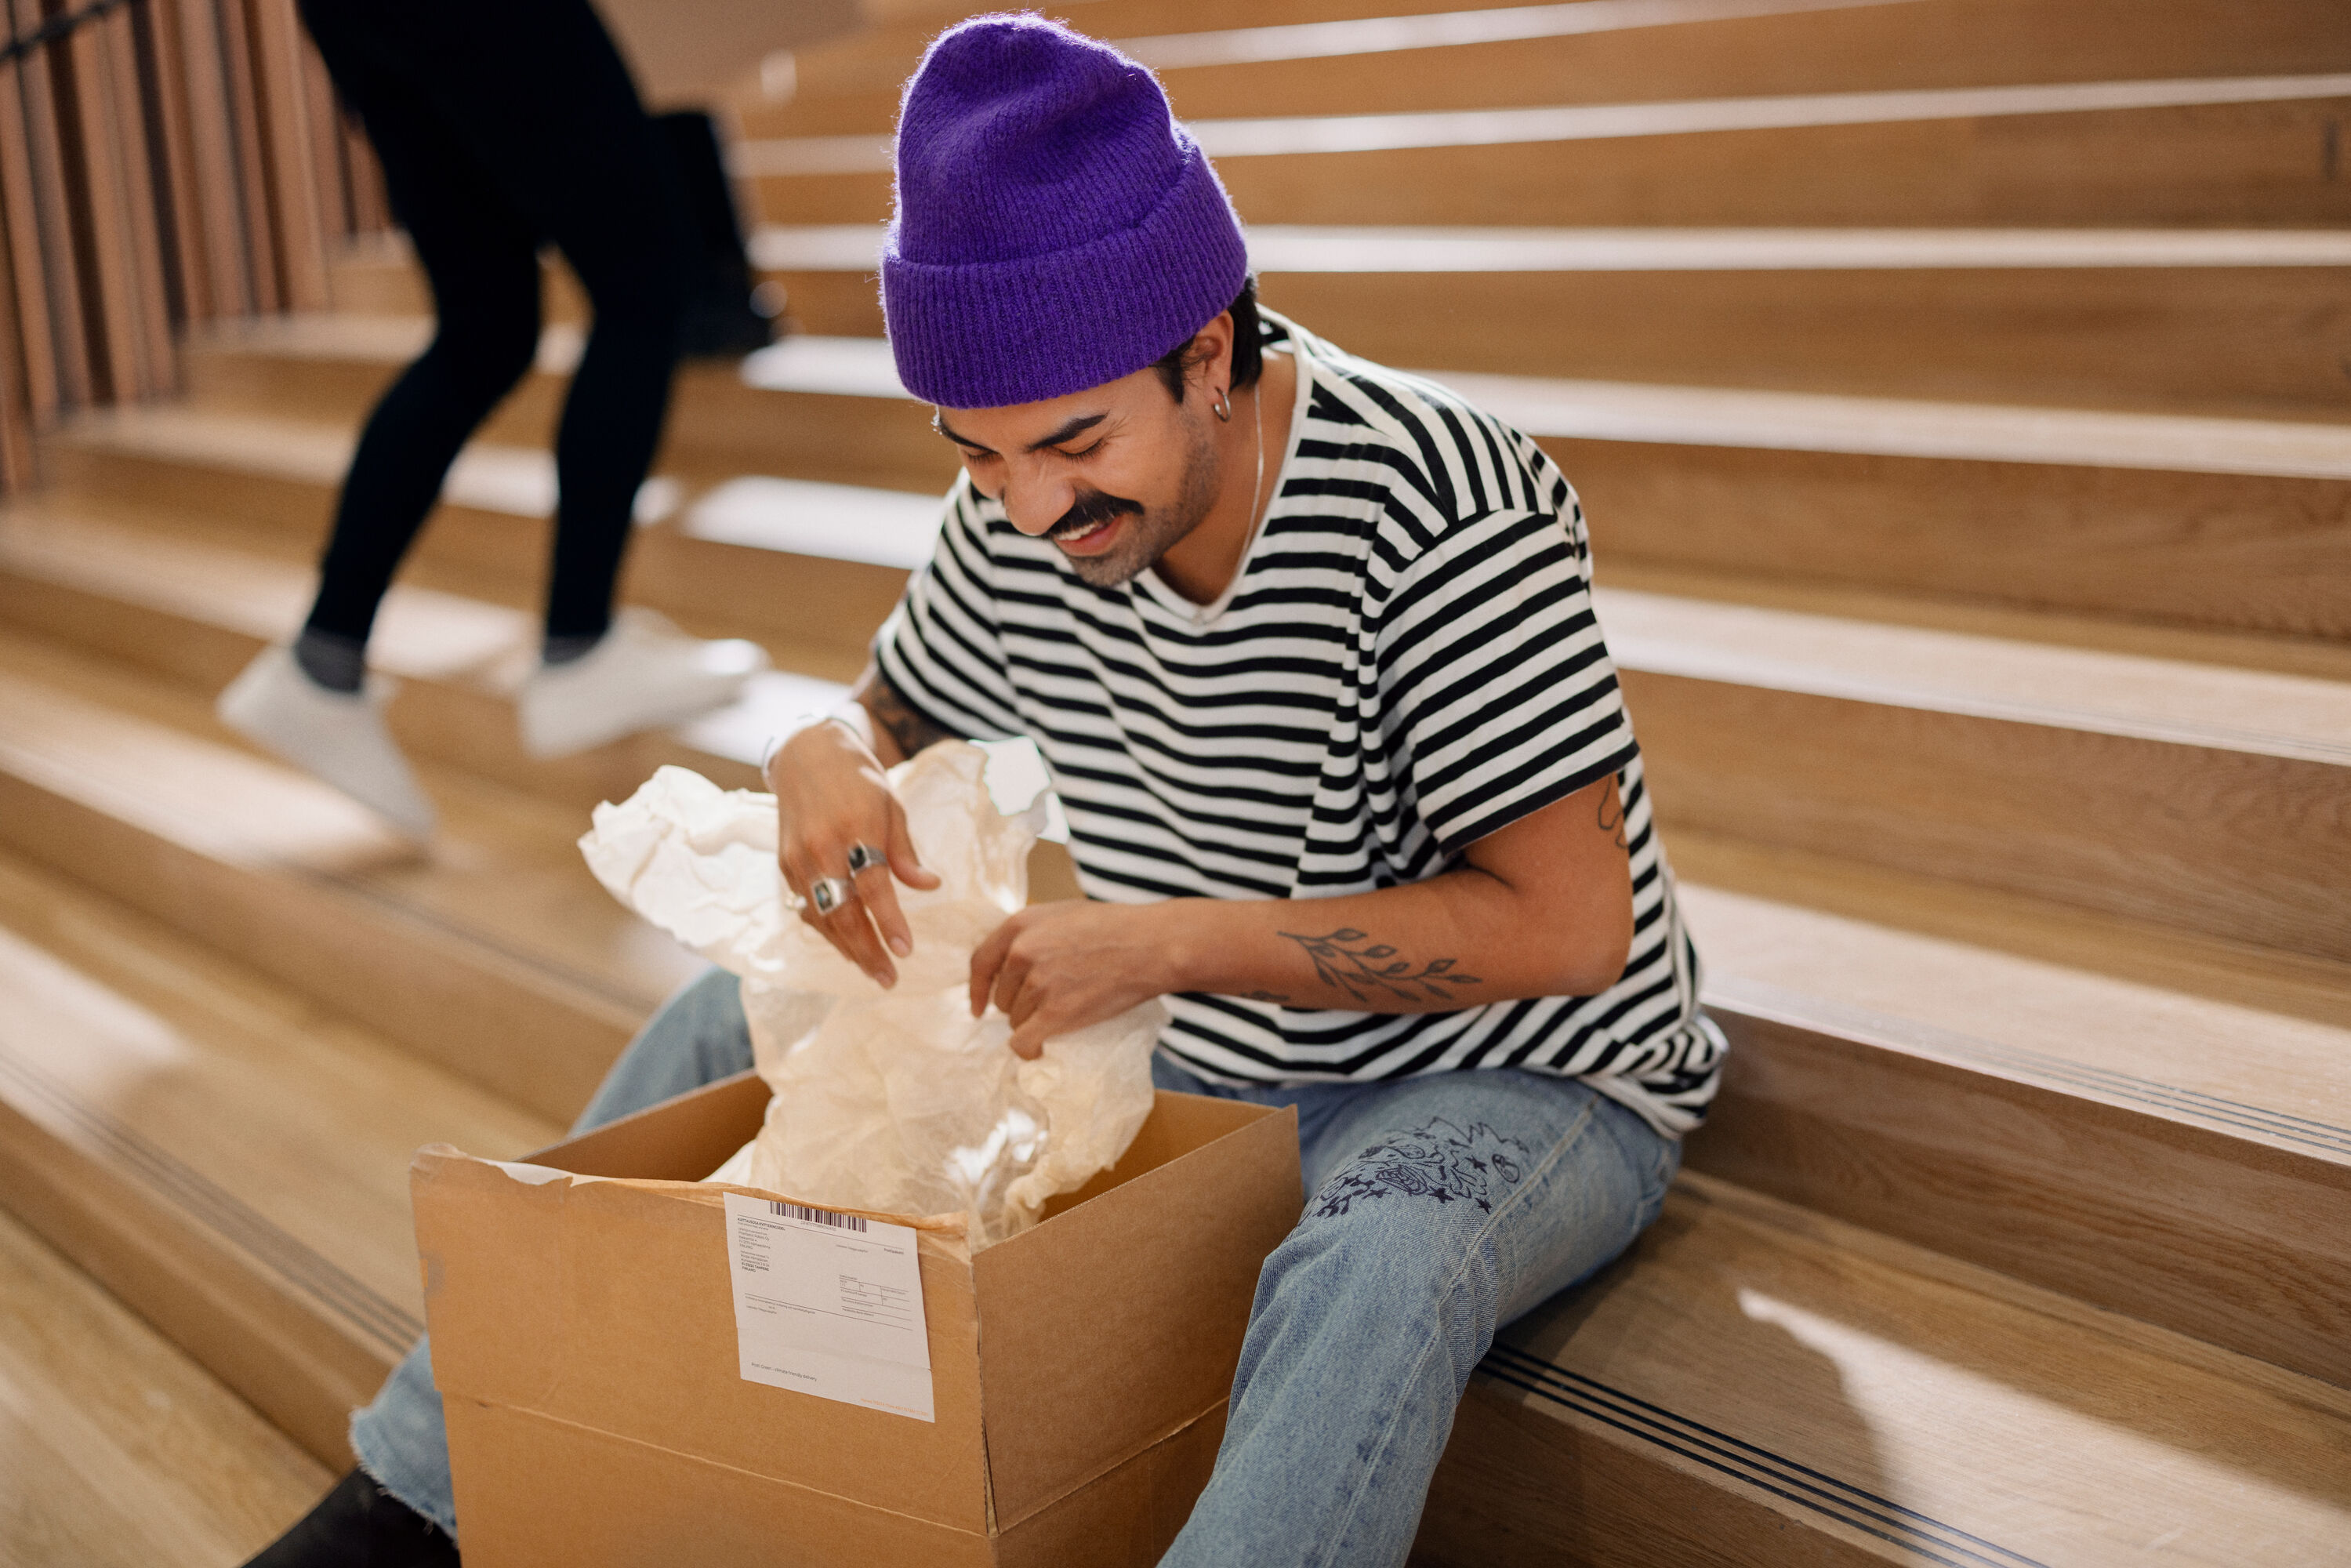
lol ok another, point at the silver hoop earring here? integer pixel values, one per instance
(1223, 407)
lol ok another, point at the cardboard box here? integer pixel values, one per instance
(584, 1342)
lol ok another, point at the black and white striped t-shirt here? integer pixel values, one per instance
(1406, 662)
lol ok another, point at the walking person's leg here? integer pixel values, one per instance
(1439, 1210)
(578, 154)
(698, 1037)
(480, 253)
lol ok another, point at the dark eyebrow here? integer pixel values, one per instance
(1068, 430)
(939, 423)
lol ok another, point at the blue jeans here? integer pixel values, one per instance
(1438, 1209)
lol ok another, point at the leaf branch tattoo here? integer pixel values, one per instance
(1612, 815)
(1371, 971)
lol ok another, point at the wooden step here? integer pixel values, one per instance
(2247, 151)
(2155, 1124)
(377, 275)
(1310, 61)
(817, 407)
(122, 1453)
(492, 953)
(225, 1155)
(2220, 523)
(196, 610)
(2214, 321)
(2213, 800)
(1753, 1385)
(273, 482)
(2223, 523)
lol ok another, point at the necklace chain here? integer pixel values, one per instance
(1257, 486)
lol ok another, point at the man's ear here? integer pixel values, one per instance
(1209, 361)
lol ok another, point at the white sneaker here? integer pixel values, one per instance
(644, 674)
(339, 737)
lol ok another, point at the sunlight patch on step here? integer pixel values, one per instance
(521, 482)
(774, 702)
(1384, 35)
(2007, 1460)
(222, 803)
(834, 367)
(802, 517)
(421, 631)
(50, 1000)
(1904, 427)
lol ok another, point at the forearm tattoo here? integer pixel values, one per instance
(901, 723)
(1370, 971)
(1612, 816)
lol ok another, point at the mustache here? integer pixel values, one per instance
(1090, 511)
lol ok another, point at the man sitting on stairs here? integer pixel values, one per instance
(1308, 648)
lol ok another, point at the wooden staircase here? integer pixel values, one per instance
(1956, 390)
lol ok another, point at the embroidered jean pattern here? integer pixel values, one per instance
(1443, 1161)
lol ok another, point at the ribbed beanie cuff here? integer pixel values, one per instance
(1021, 269)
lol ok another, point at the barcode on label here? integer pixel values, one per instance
(818, 1216)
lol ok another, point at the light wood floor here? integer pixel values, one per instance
(117, 1451)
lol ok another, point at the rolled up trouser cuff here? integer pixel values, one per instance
(403, 1441)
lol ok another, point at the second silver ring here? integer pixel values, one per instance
(827, 894)
(865, 857)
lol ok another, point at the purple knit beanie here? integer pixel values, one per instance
(1055, 228)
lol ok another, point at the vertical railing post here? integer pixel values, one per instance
(163, 164)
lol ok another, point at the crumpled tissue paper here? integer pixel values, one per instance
(897, 1101)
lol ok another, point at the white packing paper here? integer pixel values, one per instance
(897, 1101)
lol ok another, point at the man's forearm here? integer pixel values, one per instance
(1455, 941)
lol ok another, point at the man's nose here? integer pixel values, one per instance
(1036, 501)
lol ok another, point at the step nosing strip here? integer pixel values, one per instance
(1910, 1539)
(230, 1219)
(308, 1274)
(1795, 1010)
(1633, 1407)
(1299, 250)
(874, 152)
(358, 888)
(221, 1212)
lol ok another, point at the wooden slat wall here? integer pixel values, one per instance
(165, 163)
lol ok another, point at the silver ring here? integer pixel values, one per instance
(828, 893)
(865, 857)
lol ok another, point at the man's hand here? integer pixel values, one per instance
(831, 795)
(1057, 967)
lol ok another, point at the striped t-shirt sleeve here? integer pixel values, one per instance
(1499, 695)
(941, 649)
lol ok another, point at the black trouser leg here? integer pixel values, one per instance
(502, 125)
(482, 259)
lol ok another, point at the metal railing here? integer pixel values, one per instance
(162, 163)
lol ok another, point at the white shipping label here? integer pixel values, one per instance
(830, 1304)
